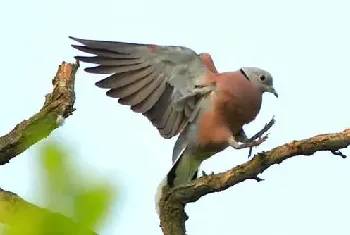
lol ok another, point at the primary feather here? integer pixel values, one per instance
(148, 78)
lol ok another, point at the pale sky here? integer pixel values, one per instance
(304, 44)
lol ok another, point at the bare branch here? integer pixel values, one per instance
(58, 106)
(12, 207)
(173, 201)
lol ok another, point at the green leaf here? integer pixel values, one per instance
(66, 190)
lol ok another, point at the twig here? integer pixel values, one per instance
(339, 153)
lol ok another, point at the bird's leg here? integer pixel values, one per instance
(242, 137)
(195, 175)
(254, 141)
(260, 133)
(247, 144)
(263, 130)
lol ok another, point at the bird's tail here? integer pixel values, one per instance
(184, 169)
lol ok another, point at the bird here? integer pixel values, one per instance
(182, 94)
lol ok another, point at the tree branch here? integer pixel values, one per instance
(58, 106)
(13, 208)
(173, 201)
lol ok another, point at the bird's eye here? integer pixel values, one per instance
(262, 77)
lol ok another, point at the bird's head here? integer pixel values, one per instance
(260, 78)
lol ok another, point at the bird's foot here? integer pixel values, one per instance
(205, 174)
(264, 129)
(259, 134)
(247, 144)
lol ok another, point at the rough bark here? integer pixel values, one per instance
(58, 105)
(173, 202)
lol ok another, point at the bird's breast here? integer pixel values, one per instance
(236, 112)
(236, 102)
(212, 132)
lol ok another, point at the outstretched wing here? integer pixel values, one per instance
(161, 82)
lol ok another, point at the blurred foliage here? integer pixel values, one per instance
(63, 188)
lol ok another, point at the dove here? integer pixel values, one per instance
(182, 94)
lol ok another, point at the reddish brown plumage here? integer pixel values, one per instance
(235, 102)
(208, 61)
(180, 92)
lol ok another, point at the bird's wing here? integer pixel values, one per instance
(164, 83)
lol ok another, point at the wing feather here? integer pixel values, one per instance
(124, 91)
(150, 101)
(149, 78)
(125, 78)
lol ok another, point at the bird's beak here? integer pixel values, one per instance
(273, 91)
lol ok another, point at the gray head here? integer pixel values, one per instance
(260, 78)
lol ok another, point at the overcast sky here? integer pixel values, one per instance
(304, 44)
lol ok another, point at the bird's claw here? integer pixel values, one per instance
(260, 133)
(255, 140)
(205, 174)
(263, 138)
(248, 144)
(264, 129)
(258, 141)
